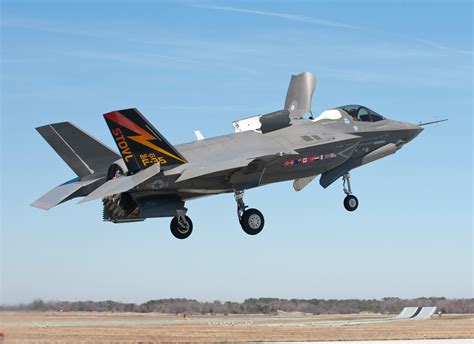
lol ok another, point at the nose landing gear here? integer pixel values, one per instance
(251, 220)
(350, 201)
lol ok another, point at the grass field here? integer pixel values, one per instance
(91, 327)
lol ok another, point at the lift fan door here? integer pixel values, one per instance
(300, 94)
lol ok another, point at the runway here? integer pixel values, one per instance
(73, 327)
(407, 314)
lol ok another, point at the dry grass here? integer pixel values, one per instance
(19, 328)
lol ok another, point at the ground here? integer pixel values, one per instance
(108, 327)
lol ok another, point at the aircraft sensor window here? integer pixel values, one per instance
(362, 113)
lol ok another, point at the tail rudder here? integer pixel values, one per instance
(139, 143)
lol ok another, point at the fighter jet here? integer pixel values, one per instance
(153, 178)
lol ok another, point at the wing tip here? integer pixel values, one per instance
(41, 205)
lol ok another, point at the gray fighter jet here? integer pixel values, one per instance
(153, 178)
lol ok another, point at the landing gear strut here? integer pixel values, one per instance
(251, 220)
(350, 201)
(181, 225)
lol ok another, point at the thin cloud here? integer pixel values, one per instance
(45, 27)
(287, 16)
(445, 48)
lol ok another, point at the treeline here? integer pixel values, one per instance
(254, 306)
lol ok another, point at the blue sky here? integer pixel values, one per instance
(191, 65)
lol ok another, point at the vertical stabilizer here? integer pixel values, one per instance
(84, 154)
(140, 144)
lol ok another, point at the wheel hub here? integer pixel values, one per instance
(183, 227)
(254, 221)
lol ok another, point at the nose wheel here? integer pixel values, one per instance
(251, 220)
(350, 201)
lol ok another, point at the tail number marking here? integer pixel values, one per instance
(151, 158)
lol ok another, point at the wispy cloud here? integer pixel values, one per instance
(28, 24)
(445, 48)
(122, 57)
(328, 23)
(287, 16)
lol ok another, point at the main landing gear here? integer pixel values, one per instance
(181, 225)
(350, 201)
(251, 220)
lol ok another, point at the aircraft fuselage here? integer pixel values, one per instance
(319, 147)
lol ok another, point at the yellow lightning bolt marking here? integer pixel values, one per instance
(145, 138)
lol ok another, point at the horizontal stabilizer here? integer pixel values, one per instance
(122, 184)
(84, 154)
(62, 193)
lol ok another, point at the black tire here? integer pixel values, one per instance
(178, 230)
(351, 202)
(252, 221)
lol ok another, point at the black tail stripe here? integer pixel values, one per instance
(417, 312)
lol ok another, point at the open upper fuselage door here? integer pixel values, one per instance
(297, 103)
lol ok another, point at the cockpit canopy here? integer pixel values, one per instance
(361, 113)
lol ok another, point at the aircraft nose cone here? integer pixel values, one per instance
(412, 131)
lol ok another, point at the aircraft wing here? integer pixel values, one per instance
(197, 171)
(192, 170)
(189, 170)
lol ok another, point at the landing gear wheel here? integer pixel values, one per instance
(351, 202)
(181, 228)
(252, 221)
